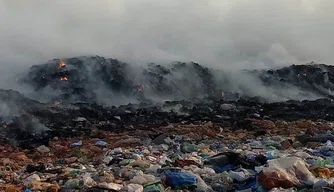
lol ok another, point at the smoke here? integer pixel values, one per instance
(216, 33)
(248, 84)
(243, 34)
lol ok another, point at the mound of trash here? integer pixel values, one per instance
(316, 78)
(176, 93)
(203, 158)
(111, 126)
(26, 122)
(109, 81)
(83, 78)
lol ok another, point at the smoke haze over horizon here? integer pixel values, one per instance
(224, 34)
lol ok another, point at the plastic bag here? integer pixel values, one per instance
(323, 162)
(79, 143)
(133, 188)
(274, 178)
(324, 172)
(178, 180)
(201, 185)
(100, 143)
(239, 176)
(154, 187)
(287, 173)
(322, 183)
(302, 155)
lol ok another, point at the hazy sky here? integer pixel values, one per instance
(221, 33)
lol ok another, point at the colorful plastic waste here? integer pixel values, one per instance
(178, 180)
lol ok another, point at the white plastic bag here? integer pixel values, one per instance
(296, 168)
(286, 172)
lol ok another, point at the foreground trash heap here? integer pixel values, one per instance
(277, 156)
(205, 138)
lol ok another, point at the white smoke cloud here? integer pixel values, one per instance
(236, 33)
(217, 33)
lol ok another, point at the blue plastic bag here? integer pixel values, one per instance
(178, 180)
(222, 169)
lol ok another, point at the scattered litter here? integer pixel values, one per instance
(79, 143)
(101, 143)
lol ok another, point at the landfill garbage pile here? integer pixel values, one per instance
(203, 157)
(199, 135)
(29, 123)
(205, 146)
(101, 80)
(82, 78)
(317, 78)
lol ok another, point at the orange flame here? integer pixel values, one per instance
(64, 78)
(61, 64)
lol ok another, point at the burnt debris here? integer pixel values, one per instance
(80, 79)
(34, 123)
(177, 93)
(101, 80)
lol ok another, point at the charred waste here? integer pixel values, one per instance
(107, 94)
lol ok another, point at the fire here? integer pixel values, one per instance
(64, 78)
(4, 126)
(61, 64)
(57, 103)
(223, 94)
